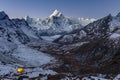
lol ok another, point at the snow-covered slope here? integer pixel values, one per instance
(14, 53)
(57, 23)
(56, 13)
(33, 57)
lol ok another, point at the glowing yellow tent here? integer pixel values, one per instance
(20, 70)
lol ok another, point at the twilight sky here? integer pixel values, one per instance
(71, 8)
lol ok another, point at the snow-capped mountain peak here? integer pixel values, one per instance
(56, 13)
(56, 23)
(3, 15)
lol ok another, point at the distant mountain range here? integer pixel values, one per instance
(57, 23)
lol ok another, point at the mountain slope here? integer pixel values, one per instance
(96, 29)
(15, 34)
(95, 46)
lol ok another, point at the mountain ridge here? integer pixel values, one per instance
(57, 23)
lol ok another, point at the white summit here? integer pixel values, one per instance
(56, 13)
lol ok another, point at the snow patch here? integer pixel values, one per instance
(117, 77)
(114, 35)
(50, 38)
(6, 69)
(32, 56)
(115, 23)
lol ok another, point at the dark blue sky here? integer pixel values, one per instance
(71, 8)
